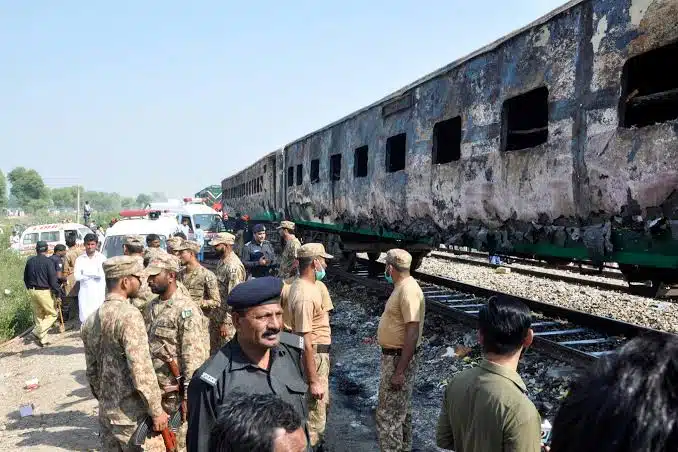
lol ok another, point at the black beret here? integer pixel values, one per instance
(255, 292)
(256, 255)
(259, 228)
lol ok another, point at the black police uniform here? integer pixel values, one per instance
(58, 266)
(230, 370)
(251, 254)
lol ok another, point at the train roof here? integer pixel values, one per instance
(445, 69)
(268, 155)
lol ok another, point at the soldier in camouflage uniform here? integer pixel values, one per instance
(289, 255)
(176, 336)
(172, 242)
(230, 272)
(399, 335)
(201, 284)
(71, 287)
(119, 368)
(133, 245)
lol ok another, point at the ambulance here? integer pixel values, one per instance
(53, 234)
(138, 222)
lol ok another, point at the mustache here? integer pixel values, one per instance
(271, 332)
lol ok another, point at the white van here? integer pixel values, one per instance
(163, 226)
(53, 234)
(196, 212)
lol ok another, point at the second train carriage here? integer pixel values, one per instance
(558, 141)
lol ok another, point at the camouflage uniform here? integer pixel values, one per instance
(229, 272)
(144, 296)
(71, 289)
(119, 367)
(289, 253)
(394, 409)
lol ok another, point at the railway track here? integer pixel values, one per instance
(616, 278)
(564, 334)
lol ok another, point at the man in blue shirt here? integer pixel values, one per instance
(200, 238)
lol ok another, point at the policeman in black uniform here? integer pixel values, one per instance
(260, 359)
(258, 255)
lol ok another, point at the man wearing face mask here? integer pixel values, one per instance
(399, 335)
(308, 317)
(260, 359)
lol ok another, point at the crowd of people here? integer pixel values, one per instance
(183, 358)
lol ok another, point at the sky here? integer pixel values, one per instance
(172, 96)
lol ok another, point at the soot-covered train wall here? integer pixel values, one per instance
(253, 190)
(585, 172)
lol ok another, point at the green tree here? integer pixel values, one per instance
(143, 199)
(157, 196)
(127, 203)
(28, 188)
(3, 191)
(65, 197)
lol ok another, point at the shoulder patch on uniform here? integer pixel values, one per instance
(292, 339)
(207, 378)
(186, 313)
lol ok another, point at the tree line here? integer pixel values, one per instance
(24, 188)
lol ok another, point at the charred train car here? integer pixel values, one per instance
(559, 140)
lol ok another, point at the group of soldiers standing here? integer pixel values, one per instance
(175, 339)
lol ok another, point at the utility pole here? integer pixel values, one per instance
(77, 207)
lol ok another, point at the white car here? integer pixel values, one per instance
(163, 226)
(53, 234)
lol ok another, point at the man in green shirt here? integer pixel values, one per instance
(485, 408)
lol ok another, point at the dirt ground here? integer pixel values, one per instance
(65, 413)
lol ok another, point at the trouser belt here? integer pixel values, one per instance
(321, 348)
(396, 351)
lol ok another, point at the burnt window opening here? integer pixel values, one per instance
(300, 174)
(335, 167)
(360, 162)
(290, 176)
(650, 88)
(264, 168)
(315, 171)
(525, 120)
(261, 183)
(447, 141)
(396, 148)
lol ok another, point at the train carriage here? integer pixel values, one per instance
(558, 141)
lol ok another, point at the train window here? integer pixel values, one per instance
(261, 183)
(650, 88)
(447, 140)
(290, 176)
(335, 167)
(396, 148)
(300, 174)
(315, 171)
(525, 120)
(360, 162)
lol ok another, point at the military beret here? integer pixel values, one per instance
(133, 240)
(163, 261)
(256, 292)
(259, 228)
(119, 266)
(313, 250)
(399, 258)
(223, 237)
(187, 245)
(286, 225)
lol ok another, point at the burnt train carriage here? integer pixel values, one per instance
(559, 140)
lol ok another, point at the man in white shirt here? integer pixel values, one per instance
(200, 238)
(89, 272)
(185, 228)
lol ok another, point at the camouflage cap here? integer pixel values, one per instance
(313, 250)
(399, 258)
(189, 245)
(286, 225)
(223, 237)
(163, 261)
(150, 253)
(133, 240)
(173, 242)
(119, 266)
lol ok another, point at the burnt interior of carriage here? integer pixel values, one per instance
(290, 176)
(315, 171)
(447, 141)
(335, 167)
(650, 88)
(360, 159)
(525, 120)
(300, 174)
(396, 149)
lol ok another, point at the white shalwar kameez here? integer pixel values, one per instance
(89, 271)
